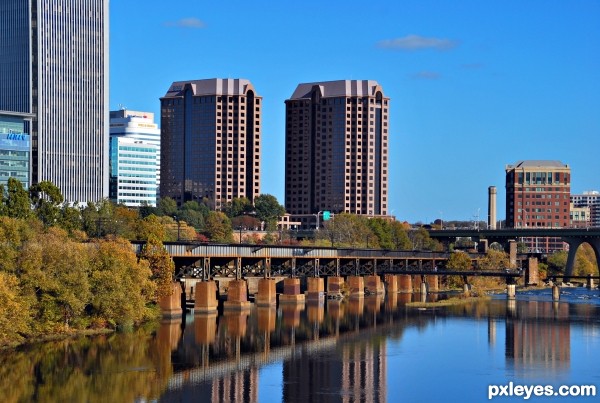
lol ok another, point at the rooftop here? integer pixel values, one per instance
(339, 88)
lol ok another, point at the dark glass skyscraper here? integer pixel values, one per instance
(54, 73)
(336, 149)
(210, 141)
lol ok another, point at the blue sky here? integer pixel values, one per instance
(474, 85)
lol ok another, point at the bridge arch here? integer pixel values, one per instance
(574, 244)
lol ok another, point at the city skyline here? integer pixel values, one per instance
(474, 86)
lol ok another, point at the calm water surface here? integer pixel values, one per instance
(373, 349)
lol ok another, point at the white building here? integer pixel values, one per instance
(591, 199)
(132, 171)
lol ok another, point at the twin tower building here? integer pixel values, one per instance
(336, 145)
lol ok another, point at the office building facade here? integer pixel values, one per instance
(336, 152)
(55, 70)
(133, 165)
(210, 141)
(591, 200)
(14, 150)
(138, 126)
(538, 196)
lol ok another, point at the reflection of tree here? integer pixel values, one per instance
(117, 368)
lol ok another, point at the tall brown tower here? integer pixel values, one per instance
(336, 149)
(210, 141)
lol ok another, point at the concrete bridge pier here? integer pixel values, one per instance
(590, 282)
(555, 293)
(170, 305)
(266, 295)
(334, 286)
(205, 297)
(405, 283)
(291, 292)
(316, 288)
(432, 283)
(356, 285)
(391, 283)
(373, 285)
(237, 295)
(511, 291)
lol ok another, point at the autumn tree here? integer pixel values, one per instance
(121, 285)
(218, 227)
(15, 315)
(459, 261)
(160, 264)
(495, 260)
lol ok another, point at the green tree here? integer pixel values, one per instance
(218, 227)
(400, 236)
(348, 230)
(167, 206)
(17, 202)
(268, 210)
(47, 200)
(557, 261)
(237, 207)
(192, 217)
(421, 240)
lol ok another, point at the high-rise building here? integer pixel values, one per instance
(14, 150)
(140, 127)
(54, 69)
(210, 141)
(538, 196)
(336, 149)
(590, 199)
(133, 165)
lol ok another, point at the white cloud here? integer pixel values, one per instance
(426, 75)
(190, 22)
(416, 42)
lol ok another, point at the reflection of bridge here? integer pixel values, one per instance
(574, 237)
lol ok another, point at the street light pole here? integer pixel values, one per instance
(318, 223)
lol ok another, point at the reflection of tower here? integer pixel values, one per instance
(535, 339)
(491, 331)
(236, 387)
(364, 373)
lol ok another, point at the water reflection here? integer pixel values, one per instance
(360, 349)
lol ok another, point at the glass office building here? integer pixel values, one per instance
(14, 150)
(54, 67)
(133, 165)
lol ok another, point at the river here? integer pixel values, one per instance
(374, 349)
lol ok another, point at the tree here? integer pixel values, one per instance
(459, 261)
(15, 316)
(17, 202)
(268, 210)
(218, 227)
(149, 227)
(167, 206)
(160, 264)
(348, 230)
(557, 261)
(46, 199)
(121, 285)
(237, 207)
(421, 240)
(192, 217)
(400, 236)
(495, 260)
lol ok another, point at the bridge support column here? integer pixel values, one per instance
(291, 291)
(423, 288)
(373, 285)
(391, 283)
(511, 291)
(512, 253)
(590, 282)
(356, 285)
(405, 283)
(432, 283)
(170, 305)
(574, 244)
(467, 289)
(266, 295)
(267, 267)
(532, 276)
(316, 288)
(205, 297)
(237, 295)
(334, 286)
(337, 267)
(555, 293)
(206, 269)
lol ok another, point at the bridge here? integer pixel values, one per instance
(207, 260)
(574, 237)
